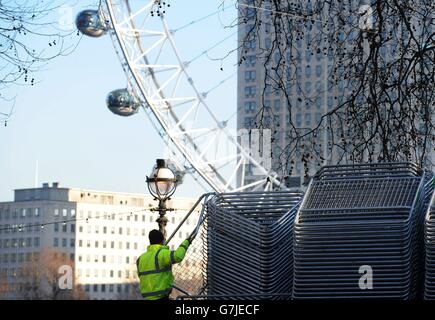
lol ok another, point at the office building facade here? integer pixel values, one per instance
(100, 234)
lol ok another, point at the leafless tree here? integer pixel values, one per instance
(40, 279)
(30, 36)
(380, 56)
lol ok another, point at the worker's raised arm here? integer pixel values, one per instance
(176, 256)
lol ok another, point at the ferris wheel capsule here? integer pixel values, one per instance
(122, 103)
(89, 22)
(198, 135)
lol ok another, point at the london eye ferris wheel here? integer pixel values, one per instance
(161, 81)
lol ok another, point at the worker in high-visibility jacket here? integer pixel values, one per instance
(154, 267)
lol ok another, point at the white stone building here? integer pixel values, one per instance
(102, 233)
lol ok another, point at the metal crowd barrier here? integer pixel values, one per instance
(250, 244)
(429, 283)
(189, 274)
(359, 219)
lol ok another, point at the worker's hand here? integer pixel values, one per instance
(191, 238)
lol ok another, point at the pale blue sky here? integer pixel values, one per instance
(63, 123)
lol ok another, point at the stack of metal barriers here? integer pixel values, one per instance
(358, 233)
(250, 244)
(429, 284)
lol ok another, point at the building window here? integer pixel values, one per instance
(276, 120)
(250, 91)
(277, 105)
(64, 242)
(267, 90)
(308, 71)
(55, 242)
(308, 86)
(56, 212)
(330, 102)
(318, 86)
(250, 75)
(318, 70)
(249, 122)
(56, 227)
(251, 60)
(250, 106)
(318, 117)
(250, 44)
(307, 119)
(319, 103)
(298, 120)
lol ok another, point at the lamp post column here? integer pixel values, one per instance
(162, 220)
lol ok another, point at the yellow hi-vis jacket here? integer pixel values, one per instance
(154, 268)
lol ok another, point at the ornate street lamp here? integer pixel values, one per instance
(162, 184)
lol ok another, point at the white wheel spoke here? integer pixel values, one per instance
(174, 105)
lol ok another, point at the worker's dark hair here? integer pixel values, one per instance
(156, 237)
